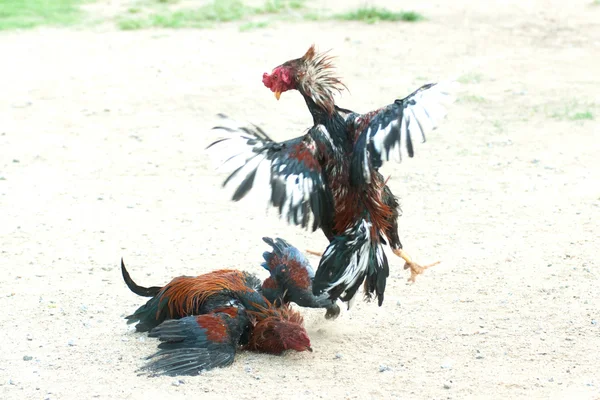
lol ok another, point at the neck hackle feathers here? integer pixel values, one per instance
(316, 79)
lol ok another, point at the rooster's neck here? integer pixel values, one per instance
(319, 113)
(333, 121)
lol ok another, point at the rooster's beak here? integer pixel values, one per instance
(309, 349)
(277, 94)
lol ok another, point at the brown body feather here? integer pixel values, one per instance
(277, 329)
(185, 294)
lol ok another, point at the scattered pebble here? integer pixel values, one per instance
(338, 356)
(448, 385)
(27, 358)
(29, 337)
(247, 369)
(72, 342)
(447, 363)
(594, 322)
(383, 368)
(178, 382)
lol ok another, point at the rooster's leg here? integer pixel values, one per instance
(415, 269)
(315, 253)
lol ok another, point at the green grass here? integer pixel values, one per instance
(202, 17)
(162, 16)
(498, 125)
(278, 6)
(571, 111)
(580, 116)
(209, 14)
(471, 77)
(371, 15)
(248, 26)
(469, 98)
(23, 14)
(313, 16)
(131, 24)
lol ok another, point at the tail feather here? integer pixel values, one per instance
(135, 288)
(349, 259)
(376, 282)
(149, 315)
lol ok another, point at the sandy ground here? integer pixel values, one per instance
(101, 138)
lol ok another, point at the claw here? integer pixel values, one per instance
(415, 269)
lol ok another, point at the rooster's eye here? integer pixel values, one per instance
(275, 76)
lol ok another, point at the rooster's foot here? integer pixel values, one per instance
(415, 269)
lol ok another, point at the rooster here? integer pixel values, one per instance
(202, 321)
(330, 175)
(291, 278)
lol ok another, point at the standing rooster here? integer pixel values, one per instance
(330, 175)
(202, 321)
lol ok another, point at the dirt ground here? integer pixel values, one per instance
(101, 157)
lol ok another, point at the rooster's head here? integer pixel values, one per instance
(312, 75)
(277, 330)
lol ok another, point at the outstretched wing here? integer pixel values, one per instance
(196, 343)
(288, 174)
(391, 131)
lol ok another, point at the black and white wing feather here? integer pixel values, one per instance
(286, 175)
(392, 131)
